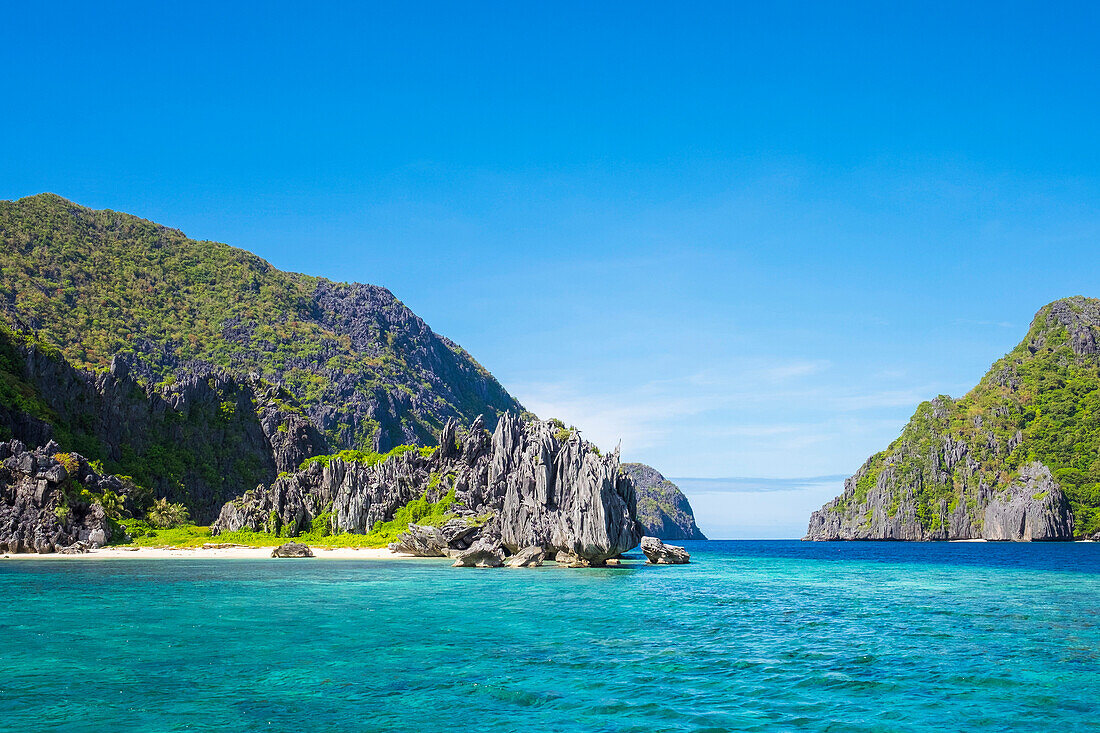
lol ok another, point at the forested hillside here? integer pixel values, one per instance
(366, 370)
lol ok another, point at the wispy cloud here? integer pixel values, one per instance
(737, 484)
(770, 417)
(973, 322)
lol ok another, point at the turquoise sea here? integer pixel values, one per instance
(752, 636)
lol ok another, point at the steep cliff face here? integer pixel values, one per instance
(366, 370)
(522, 486)
(663, 510)
(1017, 458)
(200, 440)
(55, 502)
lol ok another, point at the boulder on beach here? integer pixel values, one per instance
(292, 549)
(421, 541)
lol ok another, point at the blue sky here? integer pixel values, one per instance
(746, 240)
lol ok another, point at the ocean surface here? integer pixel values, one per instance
(753, 636)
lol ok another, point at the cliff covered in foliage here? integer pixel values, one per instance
(365, 369)
(199, 440)
(663, 510)
(1017, 458)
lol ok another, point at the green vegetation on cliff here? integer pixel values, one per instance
(365, 457)
(198, 441)
(1041, 402)
(663, 510)
(98, 283)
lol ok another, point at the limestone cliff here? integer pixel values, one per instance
(57, 502)
(1014, 459)
(199, 440)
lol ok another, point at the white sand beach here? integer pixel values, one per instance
(239, 553)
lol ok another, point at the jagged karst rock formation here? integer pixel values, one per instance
(1033, 507)
(519, 487)
(658, 553)
(1014, 460)
(663, 510)
(53, 502)
(365, 369)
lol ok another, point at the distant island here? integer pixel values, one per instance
(160, 390)
(663, 509)
(1017, 458)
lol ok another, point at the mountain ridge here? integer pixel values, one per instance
(366, 369)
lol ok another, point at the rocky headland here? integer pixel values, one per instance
(158, 370)
(1013, 460)
(663, 510)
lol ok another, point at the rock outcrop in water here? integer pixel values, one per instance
(523, 486)
(658, 553)
(54, 502)
(663, 510)
(1013, 460)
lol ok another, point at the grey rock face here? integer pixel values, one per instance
(437, 382)
(41, 509)
(528, 557)
(663, 510)
(569, 560)
(522, 484)
(292, 549)
(658, 553)
(1081, 319)
(225, 428)
(1032, 508)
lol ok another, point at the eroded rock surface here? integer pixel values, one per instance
(1032, 508)
(528, 557)
(526, 484)
(484, 553)
(421, 542)
(49, 500)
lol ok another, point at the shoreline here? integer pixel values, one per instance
(232, 553)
